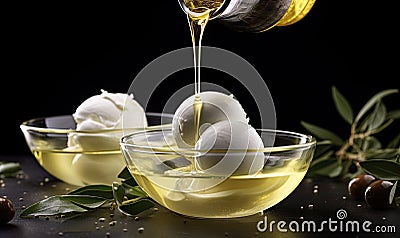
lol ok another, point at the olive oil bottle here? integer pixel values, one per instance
(253, 15)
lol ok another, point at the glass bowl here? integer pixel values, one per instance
(80, 157)
(171, 176)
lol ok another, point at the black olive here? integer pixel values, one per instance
(7, 211)
(377, 194)
(359, 184)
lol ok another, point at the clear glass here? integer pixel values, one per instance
(94, 158)
(169, 175)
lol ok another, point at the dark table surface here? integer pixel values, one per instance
(328, 208)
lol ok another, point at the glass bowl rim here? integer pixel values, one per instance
(26, 127)
(193, 152)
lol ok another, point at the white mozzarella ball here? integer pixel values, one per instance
(216, 107)
(97, 169)
(241, 143)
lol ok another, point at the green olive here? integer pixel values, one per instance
(377, 194)
(359, 184)
(7, 211)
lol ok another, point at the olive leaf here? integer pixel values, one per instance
(60, 204)
(125, 174)
(9, 169)
(127, 195)
(386, 153)
(100, 190)
(127, 178)
(362, 150)
(329, 167)
(118, 193)
(394, 114)
(322, 133)
(372, 102)
(393, 192)
(378, 116)
(395, 142)
(325, 165)
(136, 207)
(342, 105)
(383, 169)
(371, 143)
(133, 191)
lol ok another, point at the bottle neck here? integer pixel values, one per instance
(223, 9)
(233, 10)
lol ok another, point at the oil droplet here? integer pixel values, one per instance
(311, 206)
(140, 229)
(102, 219)
(137, 218)
(108, 234)
(60, 233)
(124, 230)
(112, 223)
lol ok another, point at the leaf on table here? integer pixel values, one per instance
(136, 207)
(342, 105)
(118, 192)
(104, 191)
(9, 168)
(125, 174)
(322, 133)
(382, 169)
(371, 102)
(131, 182)
(133, 192)
(60, 204)
(86, 201)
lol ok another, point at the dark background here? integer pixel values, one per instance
(56, 56)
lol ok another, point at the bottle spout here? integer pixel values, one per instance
(196, 8)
